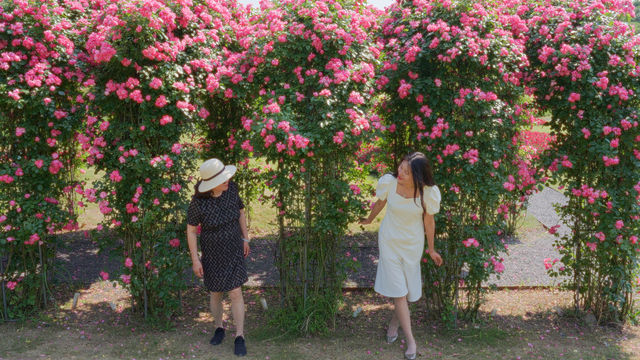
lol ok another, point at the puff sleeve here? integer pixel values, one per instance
(383, 187)
(432, 199)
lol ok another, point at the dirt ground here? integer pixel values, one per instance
(514, 324)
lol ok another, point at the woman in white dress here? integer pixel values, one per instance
(413, 199)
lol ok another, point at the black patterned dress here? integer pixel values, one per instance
(221, 239)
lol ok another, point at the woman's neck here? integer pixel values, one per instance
(216, 194)
(407, 186)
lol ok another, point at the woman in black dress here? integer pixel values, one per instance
(224, 241)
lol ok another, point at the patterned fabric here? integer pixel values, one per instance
(221, 239)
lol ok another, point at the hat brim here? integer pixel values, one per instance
(226, 174)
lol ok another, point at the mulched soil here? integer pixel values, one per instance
(80, 261)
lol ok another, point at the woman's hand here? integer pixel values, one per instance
(246, 249)
(197, 268)
(375, 210)
(437, 259)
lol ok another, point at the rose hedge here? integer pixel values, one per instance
(313, 65)
(41, 110)
(452, 77)
(168, 83)
(585, 72)
(144, 58)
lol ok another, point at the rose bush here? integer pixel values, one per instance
(313, 65)
(230, 92)
(144, 88)
(452, 77)
(41, 110)
(584, 71)
(144, 56)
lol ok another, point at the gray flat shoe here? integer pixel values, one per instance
(410, 356)
(392, 339)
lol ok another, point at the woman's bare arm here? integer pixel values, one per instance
(375, 210)
(192, 241)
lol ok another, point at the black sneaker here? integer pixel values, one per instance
(240, 348)
(217, 337)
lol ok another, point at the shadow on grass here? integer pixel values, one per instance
(79, 261)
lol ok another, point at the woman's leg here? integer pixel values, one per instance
(403, 316)
(237, 310)
(216, 308)
(392, 330)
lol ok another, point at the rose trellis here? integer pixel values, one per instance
(313, 68)
(585, 72)
(145, 56)
(40, 111)
(452, 80)
(141, 90)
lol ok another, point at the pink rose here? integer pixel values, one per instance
(161, 101)
(403, 89)
(104, 275)
(573, 97)
(471, 242)
(155, 83)
(115, 176)
(166, 119)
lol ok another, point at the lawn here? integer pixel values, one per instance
(514, 324)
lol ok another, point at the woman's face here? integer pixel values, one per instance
(222, 187)
(404, 174)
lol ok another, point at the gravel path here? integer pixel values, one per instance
(524, 263)
(541, 207)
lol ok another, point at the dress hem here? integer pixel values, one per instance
(405, 294)
(233, 287)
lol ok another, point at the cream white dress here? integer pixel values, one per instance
(401, 240)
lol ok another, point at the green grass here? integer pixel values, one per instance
(528, 225)
(541, 128)
(525, 327)
(262, 220)
(89, 216)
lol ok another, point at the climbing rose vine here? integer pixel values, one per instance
(452, 80)
(40, 111)
(585, 72)
(147, 59)
(313, 63)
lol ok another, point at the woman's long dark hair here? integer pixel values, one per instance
(421, 173)
(200, 195)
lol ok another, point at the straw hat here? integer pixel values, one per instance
(213, 173)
